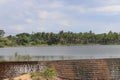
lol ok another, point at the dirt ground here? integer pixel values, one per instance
(28, 77)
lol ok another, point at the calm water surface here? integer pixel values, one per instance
(100, 51)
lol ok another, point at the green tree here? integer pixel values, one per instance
(2, 32)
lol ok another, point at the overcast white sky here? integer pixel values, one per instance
(100, 16)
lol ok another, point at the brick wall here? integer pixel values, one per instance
(84, 69)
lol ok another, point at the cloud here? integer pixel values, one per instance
(114, 9)
(17, 27)
(4, 1)
(57, 4)
(79, 9)
(29, 20)
(64, 23)
(51, 4)
(107, 2)
(103, 10)
(50, 14)
(43, 14)
(29, 3)
(41, 29)
(54, 15)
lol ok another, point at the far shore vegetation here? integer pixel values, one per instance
(60, 38)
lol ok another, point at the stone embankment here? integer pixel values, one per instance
(83, 69)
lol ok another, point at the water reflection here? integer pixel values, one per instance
(62, 52)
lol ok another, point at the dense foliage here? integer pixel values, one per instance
(61, 38)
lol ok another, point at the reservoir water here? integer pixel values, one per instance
(84, 52)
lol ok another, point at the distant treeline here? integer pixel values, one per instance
(60, 38)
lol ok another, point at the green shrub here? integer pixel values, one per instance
(35, 74)
(49, 73)
(2, 44)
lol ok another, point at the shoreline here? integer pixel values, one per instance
(62, 45)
